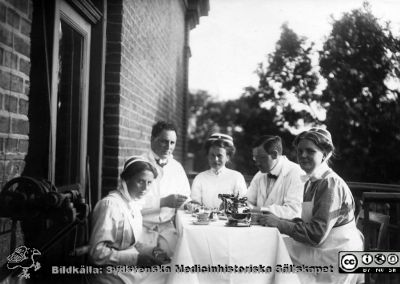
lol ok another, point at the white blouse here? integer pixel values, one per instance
(117, 225)
(208, 184)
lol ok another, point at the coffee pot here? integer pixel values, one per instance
(236, 210)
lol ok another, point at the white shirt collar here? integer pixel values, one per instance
(156, 157)
(218, 172)
(317, 173)
(276, 170)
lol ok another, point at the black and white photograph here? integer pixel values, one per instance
(199, 141)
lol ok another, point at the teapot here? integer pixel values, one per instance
(236, 210)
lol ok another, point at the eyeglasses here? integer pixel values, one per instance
(260, 157)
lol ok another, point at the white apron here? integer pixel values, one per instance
(342, 238)
(134, 217)
(162, 235)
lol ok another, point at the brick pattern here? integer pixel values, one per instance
(15, 28)
(145, 78)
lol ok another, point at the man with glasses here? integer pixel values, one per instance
(277, 187)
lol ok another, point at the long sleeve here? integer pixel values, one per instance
(196, 194)
(240, 186)
(329, 208)
(107, 243)
(292, 197)
(171, 179)
(184, 185)
(252, 191)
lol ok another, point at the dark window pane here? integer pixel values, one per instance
(68, 140)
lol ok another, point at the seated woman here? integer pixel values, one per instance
(218, 179)
(117, 226)
(327, 223)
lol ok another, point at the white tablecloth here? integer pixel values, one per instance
(202, 246)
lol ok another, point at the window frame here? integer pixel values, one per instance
(63, 11)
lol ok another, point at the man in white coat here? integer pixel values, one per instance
(167, 193)
(277, 187)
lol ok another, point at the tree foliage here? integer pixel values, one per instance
(207, 116)
(286, 82)
(289, 80)
(358, 60)
(244, 119)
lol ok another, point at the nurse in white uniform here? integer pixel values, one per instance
(327, 223)
(117, 227)
(218, 179)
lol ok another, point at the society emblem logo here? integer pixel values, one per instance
(24, 258)
(392, 259)
(349, 262)
(380, 258)
(367, 258)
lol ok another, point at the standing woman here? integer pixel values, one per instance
(218, 179)
(327, 223)
(117, 226)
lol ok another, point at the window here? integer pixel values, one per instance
(69, 96)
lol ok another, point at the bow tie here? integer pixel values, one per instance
(161, 163)
(271, 176)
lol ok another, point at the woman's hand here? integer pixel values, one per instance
(255, 218)
(268, 219)
(161, 255)
(145, 261)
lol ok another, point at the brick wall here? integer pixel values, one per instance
(15, 27)
(145, 77)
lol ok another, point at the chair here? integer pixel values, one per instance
(382, 202)
(377, 228)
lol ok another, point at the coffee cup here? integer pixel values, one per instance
(203, 217)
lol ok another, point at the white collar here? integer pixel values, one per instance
(156, 157)
(276, 170)
(317, 173)
(218, 172)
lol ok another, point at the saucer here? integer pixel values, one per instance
(222, 217)
(201, 222)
